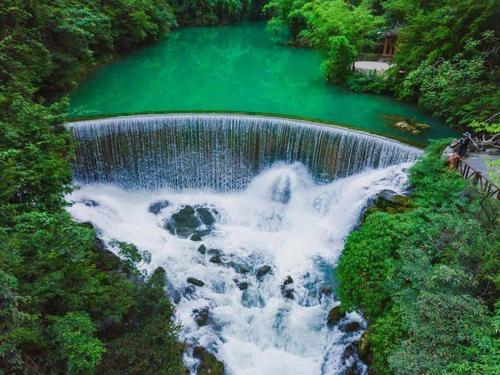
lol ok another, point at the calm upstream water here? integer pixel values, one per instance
(237, 68)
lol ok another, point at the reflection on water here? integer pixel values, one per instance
(235, 68)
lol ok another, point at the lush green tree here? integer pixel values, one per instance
(460, 90)
(426, 277)
(336, 27)
(68, 300)
(75, 334)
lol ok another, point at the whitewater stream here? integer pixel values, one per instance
(254, 212)
(284, 220)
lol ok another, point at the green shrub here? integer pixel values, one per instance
(427, 278)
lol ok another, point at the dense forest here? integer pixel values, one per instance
(429, 284)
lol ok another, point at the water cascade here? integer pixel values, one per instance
(248, 217)
(220, 152)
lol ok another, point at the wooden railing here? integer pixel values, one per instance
(483, 184)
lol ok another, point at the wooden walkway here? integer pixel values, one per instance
(483, 184)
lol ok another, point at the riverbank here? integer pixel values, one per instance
(423, 277)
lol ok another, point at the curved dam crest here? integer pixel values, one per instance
(220, 152)
(248, 217)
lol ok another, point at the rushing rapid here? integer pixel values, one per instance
(220, 152)
(283, 220)
(248, 217)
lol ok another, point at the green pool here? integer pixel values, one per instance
(237, 69)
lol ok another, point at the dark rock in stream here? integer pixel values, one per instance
(388, 200)
(189, 290)
(352, 369)
(349, 351)
(89, 203)
(351, 327)
(350, 360)
(194, 281)
(156, 207)
(183, 223)
(209, 364)
(202, 249)
(242, 285)
(334, 316)
(326, 290)
(196, 237)
(364, 349)
(195, 222)
(215, 256)
(240, 268)
(215, 259)
(287, 289)
(262, 271)
(205, 216)
(201, 316)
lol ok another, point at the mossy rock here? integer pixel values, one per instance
(156, 207)
(184, 222)
(201, 316)
(205, 215)
(335, 315)
(364, 350)
(196, 237)
(209, 364)
(388, 201)
(215, 259)
(197, 282)
(263, 271)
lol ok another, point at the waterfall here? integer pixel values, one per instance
(220, 152)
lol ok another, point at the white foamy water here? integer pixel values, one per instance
(282, 219)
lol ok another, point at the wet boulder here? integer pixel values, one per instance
(156, 207)
(388, 200)
(209, 364)
(262, 271)
(194, 222)
(335, 315)
(90, 203)
(352, 369)
(197, 282)
(206, 216)
(216, 259)
(287, 288)
(242, 285)
(202, 249)
(349, 352)
(183, 223)
(196, 237)
(201, 316)
(364, 349)
(189, 291)
(326, 290)
(350, 327)
(350, 360)
(215, 256)
(239, 267)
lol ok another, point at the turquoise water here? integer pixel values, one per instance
(237, 68)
